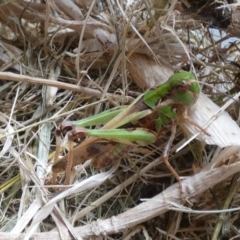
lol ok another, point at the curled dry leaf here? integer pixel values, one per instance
(223, 130)
(146, 72)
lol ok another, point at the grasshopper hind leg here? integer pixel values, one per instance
(65, 126)
(166, 154)
(69, 161)
(57, 153)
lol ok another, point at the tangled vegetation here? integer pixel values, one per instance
(68, 60)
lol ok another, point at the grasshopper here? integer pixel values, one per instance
(152, 113)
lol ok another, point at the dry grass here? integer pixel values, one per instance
(66, 60)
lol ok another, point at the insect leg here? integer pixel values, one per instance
(70, 160)
(166, 154)
(57, 153)
(188, 119)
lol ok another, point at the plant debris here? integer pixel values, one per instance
(68, 60)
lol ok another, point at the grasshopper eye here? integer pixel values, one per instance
(183, 83)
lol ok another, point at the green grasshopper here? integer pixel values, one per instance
(140, 123)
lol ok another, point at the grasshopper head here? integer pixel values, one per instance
(184, 88)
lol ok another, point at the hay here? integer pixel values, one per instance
(67, 60)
